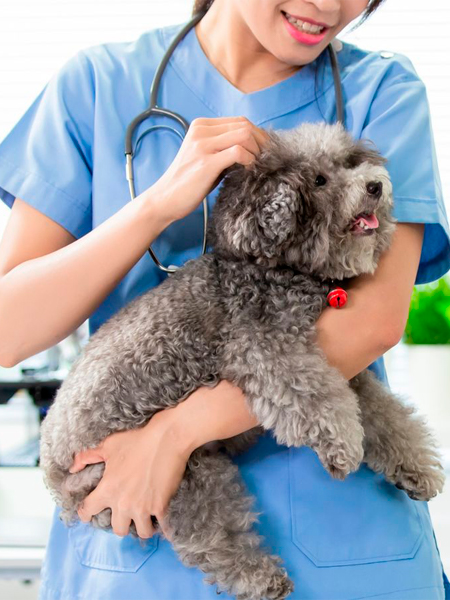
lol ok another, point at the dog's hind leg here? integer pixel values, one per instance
(211, 521)
(397, 442)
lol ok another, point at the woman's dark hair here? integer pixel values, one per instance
(371, 7)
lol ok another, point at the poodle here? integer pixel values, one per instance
(311, 211)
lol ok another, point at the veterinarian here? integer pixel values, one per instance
(75, 247)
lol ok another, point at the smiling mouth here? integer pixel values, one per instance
(304, 26)
(364, 224)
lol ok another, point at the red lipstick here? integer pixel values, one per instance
(310, 39)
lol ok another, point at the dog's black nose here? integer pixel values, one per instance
(374, 188)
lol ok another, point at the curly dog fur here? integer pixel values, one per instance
(282, 230)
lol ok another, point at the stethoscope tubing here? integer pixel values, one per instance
(154, 110)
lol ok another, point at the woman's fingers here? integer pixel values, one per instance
(214, 121)
(144, 525)
(243, 136)
(232, 140)
(235, 154)
(120, 522)
(164, 527)
(216, 128)
(262, 136)
(92, 505)
(120, 519)
(87, 457)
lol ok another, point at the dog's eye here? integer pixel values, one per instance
(320, 180)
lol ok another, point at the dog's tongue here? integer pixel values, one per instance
(370, 220)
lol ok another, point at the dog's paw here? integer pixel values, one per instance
(260, 579)
(280, 587)
(420, 485)
(341, 459)
(277, 586)
(340, 468)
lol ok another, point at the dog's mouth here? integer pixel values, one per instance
(364, 224)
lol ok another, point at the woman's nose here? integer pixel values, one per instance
(327, 8)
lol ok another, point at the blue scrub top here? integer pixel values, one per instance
(353, 539)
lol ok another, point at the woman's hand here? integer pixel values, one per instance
(144, 467)
(143, 470)
(210, 146)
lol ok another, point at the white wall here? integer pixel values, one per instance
(421, 31)
(38, 36)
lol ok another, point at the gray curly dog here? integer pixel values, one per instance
(314, 208)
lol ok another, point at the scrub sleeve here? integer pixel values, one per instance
(340, 540)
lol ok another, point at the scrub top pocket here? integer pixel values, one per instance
(361, 520)
(105, 550)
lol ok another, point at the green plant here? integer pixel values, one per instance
(429, 314)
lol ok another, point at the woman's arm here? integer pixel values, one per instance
(51, 282)
(373, 321)
(377, 307)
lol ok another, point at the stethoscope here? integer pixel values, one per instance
(153, 109)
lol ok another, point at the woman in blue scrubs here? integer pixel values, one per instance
(353, 539)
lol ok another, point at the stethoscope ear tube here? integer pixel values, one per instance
(340, 117)
(154, 110)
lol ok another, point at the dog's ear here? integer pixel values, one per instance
(257, 205)
(363, 150)
(277, 216)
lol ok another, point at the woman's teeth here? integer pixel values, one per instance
(303, 25)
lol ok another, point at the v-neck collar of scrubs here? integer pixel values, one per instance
(221, 97)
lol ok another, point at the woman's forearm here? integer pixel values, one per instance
(351, 339)
(218, 413)
(211, 414)
(44, 299)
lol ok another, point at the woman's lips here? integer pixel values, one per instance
(310, 39)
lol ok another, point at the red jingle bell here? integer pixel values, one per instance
(337, 298)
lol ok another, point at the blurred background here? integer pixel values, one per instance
(36, 38)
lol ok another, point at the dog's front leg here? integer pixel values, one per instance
(294, 392)
(397, 442)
